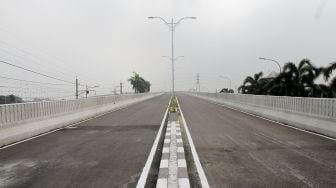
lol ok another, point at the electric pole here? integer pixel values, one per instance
(86, 91)
(121, 86)
(76, 87)
(198, 85)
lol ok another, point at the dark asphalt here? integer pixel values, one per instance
(109, 151)
(238, 150)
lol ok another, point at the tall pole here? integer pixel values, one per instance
(76, 87)
(171, 26)
(173, 71)
(225, 77)
(274, 61)
(121, 85)
(86, 91)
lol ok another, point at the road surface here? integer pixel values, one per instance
(239, 150)
(109, 151)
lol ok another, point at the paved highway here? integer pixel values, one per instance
(109, 151)
(239, 150)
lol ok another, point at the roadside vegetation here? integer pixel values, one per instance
(9, 99)
(295, 80)
(173, 107)
(140, 85)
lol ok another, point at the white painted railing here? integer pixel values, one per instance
(23, 112)
(317, 107)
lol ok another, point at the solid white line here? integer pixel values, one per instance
(200, 171)
(144, 174)
(52, 131)
(273, 121)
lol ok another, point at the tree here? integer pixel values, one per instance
(252, 85)
(140, 85)
(293, 81)
(10, 99)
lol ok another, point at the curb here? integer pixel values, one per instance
(173, 170)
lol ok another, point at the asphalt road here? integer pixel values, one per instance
(109, 151)
(239, 150)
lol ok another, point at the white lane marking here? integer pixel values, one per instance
(200, 171)
(55, 130)
(273, 121)
(164, 163)
(179, 140)
(144, 174)
(167, 141)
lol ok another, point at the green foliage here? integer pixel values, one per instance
(10, 99)
(173, 107)
(139, 84)
(295, 81)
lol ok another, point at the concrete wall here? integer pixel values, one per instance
(21, 121)
(11, 114)
(313, 114)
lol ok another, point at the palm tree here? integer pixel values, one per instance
(295, 80)
(135, 81)
(252, 85)
(140, 85)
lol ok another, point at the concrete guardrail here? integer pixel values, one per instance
(24, 120)
(313, 114)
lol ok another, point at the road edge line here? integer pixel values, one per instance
(200, 171)
(267, 119)
(69, 125)
(145, 171)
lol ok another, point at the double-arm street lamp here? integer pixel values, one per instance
(266, 59)
(172, 25)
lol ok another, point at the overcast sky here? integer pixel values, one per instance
(104, 41)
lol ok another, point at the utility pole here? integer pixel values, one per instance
(76, 87)
(198, 85)
(121, 86)
(86, 91)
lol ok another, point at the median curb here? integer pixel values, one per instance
(173, 170)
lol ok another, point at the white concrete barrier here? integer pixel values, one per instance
(313, 114)
(21, 121)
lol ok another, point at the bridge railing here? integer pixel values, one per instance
(21, 112)
(318, 107)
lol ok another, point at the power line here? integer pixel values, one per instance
(15, 79)
(55, 58)
(41, 74)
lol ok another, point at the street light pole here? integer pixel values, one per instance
(171, 25)
(266, 59)
(225, 77)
